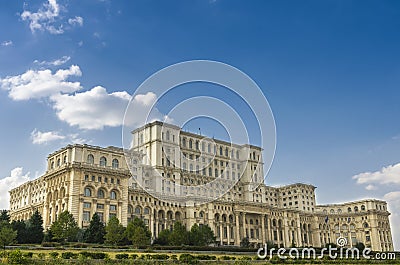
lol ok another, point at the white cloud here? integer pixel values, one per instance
(387, 175)
(48, 18)
(76, 21)
(7, 43)
(371, 187)
(56, 62)
(41, 83)
(15, 179)
(393, 199)
(91, 109)
(44, 18)
(39, 137)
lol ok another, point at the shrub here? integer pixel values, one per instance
(122, 256)
(227, 258)
(173, 257)
(28, 254)
(54, 255)
(160, 256)
(188, 258)
(69, 255)
(206, 257)
(134, 256)
(94, 255)
(16, 257)
(41, 255)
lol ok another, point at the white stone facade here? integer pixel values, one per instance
(180, 169)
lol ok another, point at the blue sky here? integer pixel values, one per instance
(330, 71)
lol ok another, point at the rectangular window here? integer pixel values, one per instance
(99, 179)
(86, 216)
(93, 178)
(113, 207)
(86, 177)
(87, 205)
(100, 206)
(101, 216)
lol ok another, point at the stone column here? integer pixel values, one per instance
(263, 229)
(221, 233)
(228, 233)
(244, 225)
(237, 236)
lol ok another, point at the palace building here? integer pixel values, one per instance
(170, 175)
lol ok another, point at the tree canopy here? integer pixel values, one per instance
(65, 228)
(115, 232)
(96, 231)
(138, 233)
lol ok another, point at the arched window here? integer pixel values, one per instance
(146, 211)
(100, 194)
(356, 208)
(226, 151)
(197, 145)
(209, 148)
(167, 135)
(65, 160)
(366, 225)
(88, 192)
(237, 154)
(362, 207)
(113, 195)
(191, 167)
(184, 166)
(90, 159)
(115, 163)
(58, 162)
(332, 211)
(349, 210)
(216, 173)
(137, 210)
(210, 171)
(103, 161)
(190, 144)
(220, 151)
(184, 142)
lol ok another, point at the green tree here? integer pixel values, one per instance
(65, 228)
(4, 216)
(163, 237)
(201, 235)
(115, 232)
(7, 235)
(35, 228)
(138, 233)
(360, 246)
(245, 242)
(96, 231)
(22, 233)
(179, 235)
